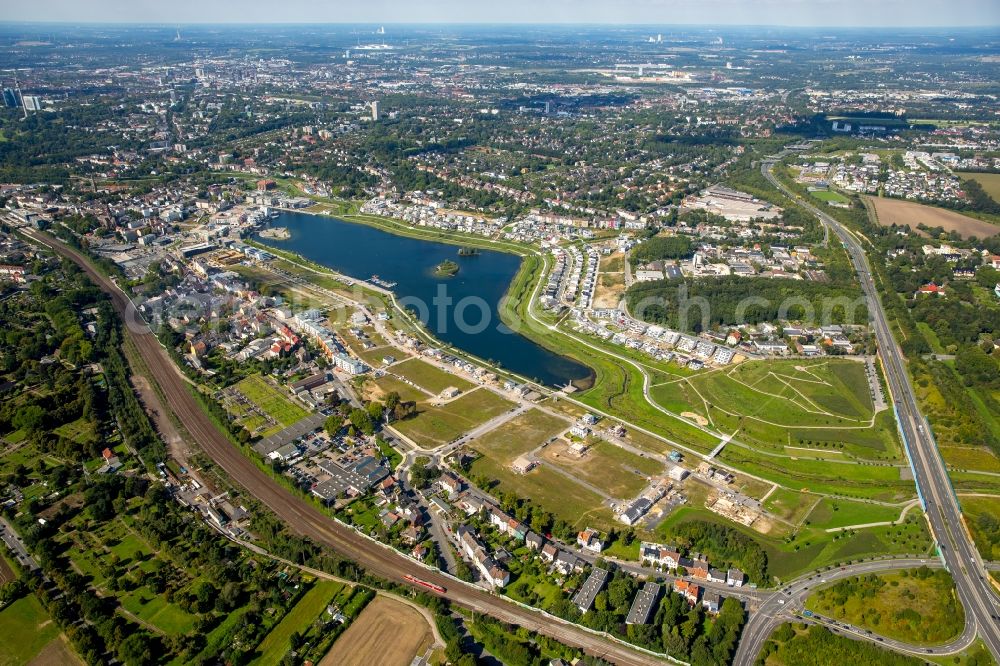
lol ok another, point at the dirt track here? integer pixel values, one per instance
(305, 519)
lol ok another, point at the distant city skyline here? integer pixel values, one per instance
(795, 13)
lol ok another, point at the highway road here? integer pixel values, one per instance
(958, 552)
(302, 517)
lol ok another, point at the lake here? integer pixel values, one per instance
(459, 310)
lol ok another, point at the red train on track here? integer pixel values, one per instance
(424, 583)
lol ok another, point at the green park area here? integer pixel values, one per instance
(433, 425)
(787, 406)
(915, 606)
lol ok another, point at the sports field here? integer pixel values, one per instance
(900, 212)
(830, 196)
(388, 632)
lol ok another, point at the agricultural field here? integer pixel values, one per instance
(434, 426)
(900, 212)
(27, 621)
(365, 641)
(917, 606)
(990, 182)
(428, 377)
(261, 406)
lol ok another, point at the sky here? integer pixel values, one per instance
(861, 13)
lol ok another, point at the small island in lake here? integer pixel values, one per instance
(446, 268)
(276, 233)
(468, 252)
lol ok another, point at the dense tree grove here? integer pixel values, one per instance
(661, 247)
(707, 302)
(725, 546)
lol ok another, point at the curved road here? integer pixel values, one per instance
(302, 517)
(783, 607)
(958, 552)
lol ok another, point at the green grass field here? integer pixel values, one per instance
(831, 513)
(879, 482)
(519, 435)
(990, 182)
(429, 377)
(812, 547)
(830, 196)
(550, 491)
(811, 407)
(612, 469)
(987, 540)
(916, 606)
(274, 646)
(25, 629)
(433, 426)
(790, 505)
(388, 384)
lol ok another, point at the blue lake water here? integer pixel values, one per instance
(459, 310)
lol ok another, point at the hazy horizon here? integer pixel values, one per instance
(776, 13)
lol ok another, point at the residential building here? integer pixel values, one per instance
(584, 597)
(644, 604)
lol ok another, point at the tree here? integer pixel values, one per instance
(333, 424)
(362, 421)
(136, 649)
